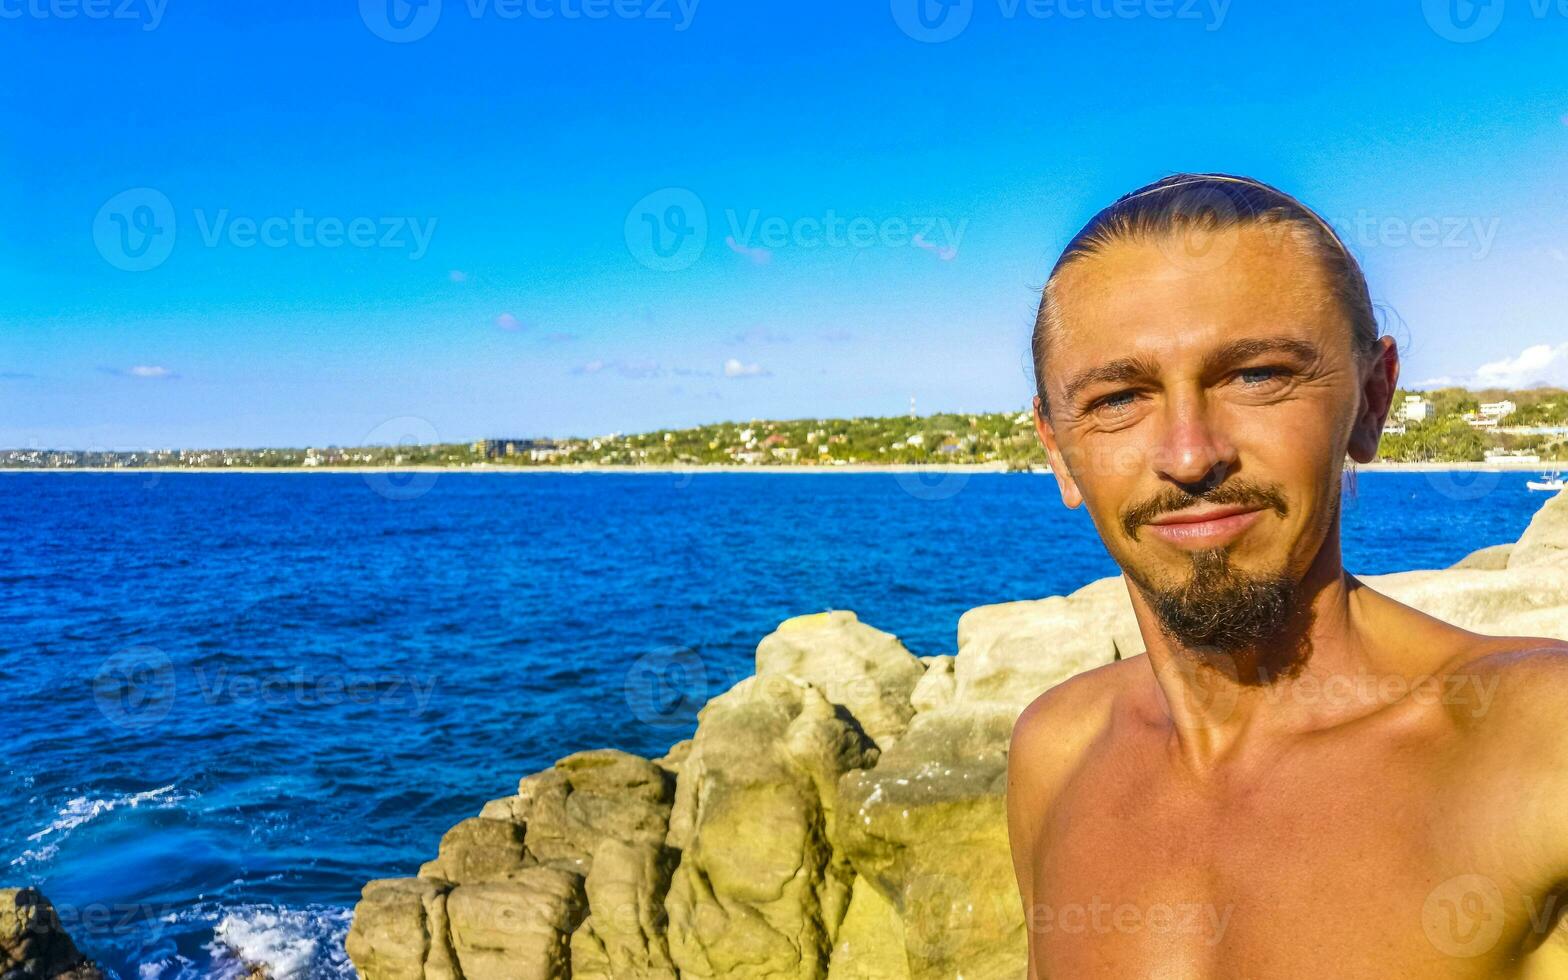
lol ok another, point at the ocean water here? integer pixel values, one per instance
(230, 700)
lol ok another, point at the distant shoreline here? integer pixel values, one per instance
(867, 468)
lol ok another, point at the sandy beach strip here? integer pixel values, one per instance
(782, 468)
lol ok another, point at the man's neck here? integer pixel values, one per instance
(1226, 706)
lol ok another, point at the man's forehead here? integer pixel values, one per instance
(1135, 298)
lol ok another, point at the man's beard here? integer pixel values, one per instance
(1222, 612)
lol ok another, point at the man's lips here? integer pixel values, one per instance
(1207, 527)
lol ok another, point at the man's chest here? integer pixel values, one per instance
(1315, 870)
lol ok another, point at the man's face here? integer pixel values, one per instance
(1230, 391)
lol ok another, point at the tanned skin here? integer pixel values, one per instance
(1375, 795)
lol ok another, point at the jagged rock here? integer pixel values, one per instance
(1490, 558)
(1528, 601)
(589, 796)
(937, 687)
(1545, 541)
(519, 929)
(927, 828)
(33, 944)
(672, 759)
(506, 808)
(1525, 596)
(1014, 651)
(623, 937)
(478, 849)
(400, 932)
(871, 939)
(761, 888)
(864, 669)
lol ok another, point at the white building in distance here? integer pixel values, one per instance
(1415, 409)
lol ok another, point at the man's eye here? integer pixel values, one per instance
(1260, 375)
(1119, 400)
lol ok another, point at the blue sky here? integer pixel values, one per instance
(308, 221)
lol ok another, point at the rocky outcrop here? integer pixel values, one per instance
(1010, 652)
(762, 884)
(1545, 541)
(33, 944)
(1488, 559)
(838, 815)
(926, 830)
(864, 669)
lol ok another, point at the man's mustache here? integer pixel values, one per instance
(1233, 493)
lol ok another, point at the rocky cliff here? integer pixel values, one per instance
(838, 815)
(33, 945)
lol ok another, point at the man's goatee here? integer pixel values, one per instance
(1222, 610)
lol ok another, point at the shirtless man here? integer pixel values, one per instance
(1300, 778)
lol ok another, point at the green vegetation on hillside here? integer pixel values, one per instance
(1452, 427)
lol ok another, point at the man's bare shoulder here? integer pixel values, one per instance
(1524, 683)
(1431, 647)
(1048, 745)
(1515, 748)
(1053, 732)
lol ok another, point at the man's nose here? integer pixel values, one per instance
(1194, 451)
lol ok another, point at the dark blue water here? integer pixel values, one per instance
(232, 699)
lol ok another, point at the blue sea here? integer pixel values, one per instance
(231, 699)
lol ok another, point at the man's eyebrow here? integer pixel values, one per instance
(1120, 370)
(1241, 350)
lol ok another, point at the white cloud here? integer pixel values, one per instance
(760, 335)
(148, 371)
(635, 369)
(733, 368)
(457, 275)
(1537, 364)
(758, 256)
(946, 253)
(507, 321)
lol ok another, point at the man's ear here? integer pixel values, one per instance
(1379, 380)
(1064, 479)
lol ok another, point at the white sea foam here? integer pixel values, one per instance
(293, 944)
(85, 809)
